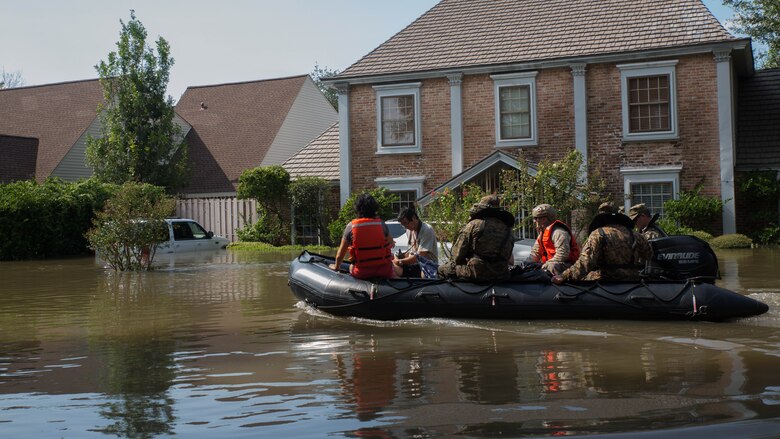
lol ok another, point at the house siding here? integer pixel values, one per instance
(74, 165)
(308, 117)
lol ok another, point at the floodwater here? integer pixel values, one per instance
(214, 345)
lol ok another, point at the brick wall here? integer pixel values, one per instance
(697, 148)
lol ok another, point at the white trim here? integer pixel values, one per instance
(514, 80)
(726, 134)
(394, 184)
(398, 90)
(655, 68)
(456, 122)
(580, 92)
(658, 174)
(344, 132)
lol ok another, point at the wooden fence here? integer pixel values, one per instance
(221, 215)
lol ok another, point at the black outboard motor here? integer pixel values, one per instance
(681, 257)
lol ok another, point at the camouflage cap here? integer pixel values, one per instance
(638, 209)
(544, 210)
(489, 201)
(607, 207)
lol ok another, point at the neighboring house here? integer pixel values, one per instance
(243, 125)
(644, 89)
(55, 119)
(758, 140)
(59, 117)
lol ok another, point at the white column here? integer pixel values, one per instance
(456, 122)
(344, 158)
(726, 134)
(580, 114)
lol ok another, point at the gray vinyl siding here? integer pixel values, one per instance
(74, 165)
(309, 116)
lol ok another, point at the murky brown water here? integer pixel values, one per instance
(214, 346)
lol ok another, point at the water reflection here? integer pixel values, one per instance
(214, 345)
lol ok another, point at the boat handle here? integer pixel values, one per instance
(359, 293)
(640, 297)
(423, 294)
(493, 294)
(560, 297)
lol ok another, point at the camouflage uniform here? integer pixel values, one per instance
(483, 247)
(652, 232)
(610, 254)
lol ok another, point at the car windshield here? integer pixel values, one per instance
(396, 229)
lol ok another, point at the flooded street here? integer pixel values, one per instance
(214, 345)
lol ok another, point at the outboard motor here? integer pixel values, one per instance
(682, 257)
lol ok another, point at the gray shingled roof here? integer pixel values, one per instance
(55, 114)
(758, 121)
(320, 158)
(234, 128)
(469, 33)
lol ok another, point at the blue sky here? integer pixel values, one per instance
(212, 42)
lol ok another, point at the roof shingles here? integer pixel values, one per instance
(468, 33)
(320, 158)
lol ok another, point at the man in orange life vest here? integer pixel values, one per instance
(369, 243)
(555, 247)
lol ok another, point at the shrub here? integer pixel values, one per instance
(694, 211)
(269, 185)
(126, 233)
(48, 220)
(769, 235)
(269, 228)
(347, 212)
(704, 236)
(449, 212)
(735, 240)
(308, 196)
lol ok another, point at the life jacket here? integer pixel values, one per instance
(369, 245)
(547, 247)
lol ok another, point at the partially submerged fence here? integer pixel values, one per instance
(221, 215)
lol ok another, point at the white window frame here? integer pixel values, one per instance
(656, 68)
(512, 80)
(642, 175)
(398, 184)
(398, 90)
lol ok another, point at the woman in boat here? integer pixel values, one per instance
(369, 242)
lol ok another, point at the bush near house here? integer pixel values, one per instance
(48, 220)
(269, 185)
(692, 211)
(735, 240)
(759, 193)
(347, 212)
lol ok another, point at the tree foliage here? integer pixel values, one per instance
(269, 185)
(11, 79)
(330, 94)
(693, 210)
(761, 20)
(126, 233)
(140, 141)
(383, 197)
(448, 212)
(308, 196)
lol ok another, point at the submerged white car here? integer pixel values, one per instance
(186, 235)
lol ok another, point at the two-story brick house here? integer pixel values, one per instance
(645, 89)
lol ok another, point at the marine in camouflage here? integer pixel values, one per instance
(611, 252)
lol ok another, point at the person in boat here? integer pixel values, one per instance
(645, 222)
(483, 249)
(607, 207)
(369, 242)
(422, 258)
(612, 252)
(555, 247)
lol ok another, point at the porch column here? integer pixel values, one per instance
(345, 182)
(580, 115)
(726, 137)
(456, 122)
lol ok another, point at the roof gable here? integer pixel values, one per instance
(234, 125)
(55, 114)
(320, 158)
(469, 33)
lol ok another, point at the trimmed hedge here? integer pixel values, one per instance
(731, 241)
(49, 219)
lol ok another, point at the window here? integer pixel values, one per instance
(515, 97)
(408, 190)
(648, 100)
(651, 186)
(398, 118)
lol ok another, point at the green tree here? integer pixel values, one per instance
(269, 185)
(692, 211)
(323, 72)
(308, 196)
(126, 233)
(761, 20)
(449, 211)
(140, 141)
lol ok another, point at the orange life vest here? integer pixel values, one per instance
(369, 245)
(547, 247)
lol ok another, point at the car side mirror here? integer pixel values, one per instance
(209, 234)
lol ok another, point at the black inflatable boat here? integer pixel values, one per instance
(340, 294)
